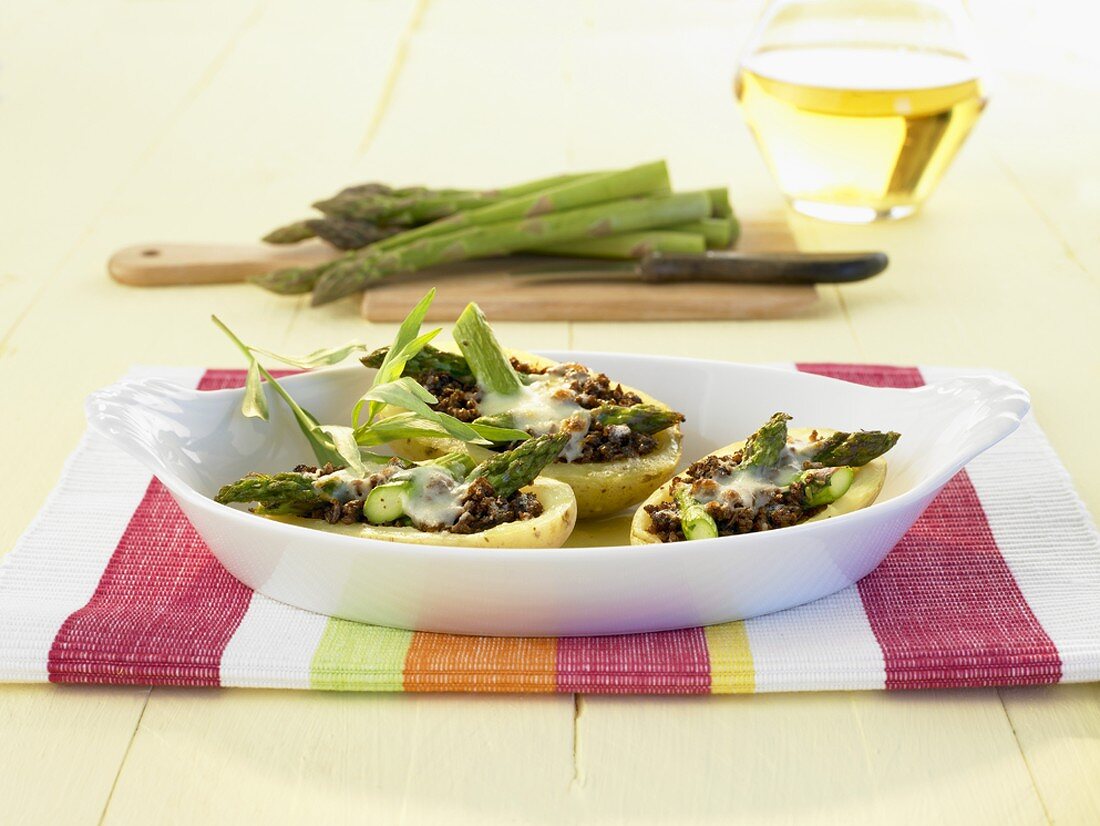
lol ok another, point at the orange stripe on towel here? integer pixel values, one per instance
(450, 662)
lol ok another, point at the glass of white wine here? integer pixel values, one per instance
(858, 106)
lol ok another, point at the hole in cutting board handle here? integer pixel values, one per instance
(149, 253)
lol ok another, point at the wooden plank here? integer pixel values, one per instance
(1057, 171)
(433, 758)
(1058, 729)
(174, 123)
(209, 756)
(505, 296)
(936, 757)
(74, 105)
(503, 299)
(62, 750)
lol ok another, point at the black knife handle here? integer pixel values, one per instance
(763, 267)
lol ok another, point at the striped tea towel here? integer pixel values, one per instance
(997, 584)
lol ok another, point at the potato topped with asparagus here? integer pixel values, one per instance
(449, 499)
(444, 501)
(774, 479)
(620, 443)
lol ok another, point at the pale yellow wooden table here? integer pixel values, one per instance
(130, 121)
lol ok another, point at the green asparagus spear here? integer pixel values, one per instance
(346, 234)
(387, 502)
(290, 234)
(641, 418)
(509, 471)
(689, 238)
(695, 522)
(647, 179)
(506, 473)
(720, 202)
(416, 205)
(289, 280)
(292, 494)
(763, 447)
(854, 449)
(458, 463)
(399, 210)
(825, 485)
(629, 244)
(484, 355)
(719, 233)
(357, 271)
(429, 358)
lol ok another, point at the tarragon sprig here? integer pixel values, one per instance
(342, 445)
(333, 444)
(392, 388)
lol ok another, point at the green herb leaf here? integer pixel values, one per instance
(324, 447)
(406, 344)
(254, 403)
(408, 395)
(487, 359)
(493, 433)
(399, 426)
(318, 358)
(344, 443)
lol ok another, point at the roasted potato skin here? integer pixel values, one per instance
(549, 530)
(863, 492)
(601, 488)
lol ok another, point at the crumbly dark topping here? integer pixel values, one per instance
(349, 512)
(453, 396)
(781, 510)
(483, 509)
(732, 516)
(606, 443)
(460, 399)
(593, 389)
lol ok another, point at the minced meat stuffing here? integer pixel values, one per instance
(781, 511)
(459, 398)
(483, 509)
(594, 389)
(453, 396)
(604, 443)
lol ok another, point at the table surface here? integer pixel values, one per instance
(123, 122)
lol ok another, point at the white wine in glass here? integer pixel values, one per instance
(859, 105)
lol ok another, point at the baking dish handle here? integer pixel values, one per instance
(143, 417)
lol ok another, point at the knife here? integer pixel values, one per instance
(731, 267)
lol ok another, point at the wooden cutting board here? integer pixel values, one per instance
(506, 297)
(503, 296)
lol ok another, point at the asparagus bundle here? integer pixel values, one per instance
(619, 214)
(357, 271)
(377, 206)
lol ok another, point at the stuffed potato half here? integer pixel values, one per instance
(865, 485)
(601, 488)
(548, 530)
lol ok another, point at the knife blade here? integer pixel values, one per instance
(722, 266)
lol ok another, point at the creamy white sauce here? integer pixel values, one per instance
(343, 486)
(546, 405)
(436, 498)
(578, 426)
(537, 408)
(754, 487)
